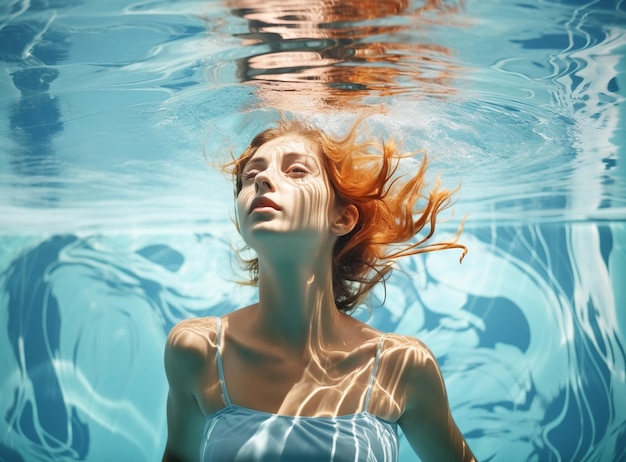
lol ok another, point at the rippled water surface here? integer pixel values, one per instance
(115, 225)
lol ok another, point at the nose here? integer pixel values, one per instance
(263, 181)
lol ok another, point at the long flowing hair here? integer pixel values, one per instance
(393, 209)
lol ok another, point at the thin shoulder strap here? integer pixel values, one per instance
(373, 374)
(220, 368)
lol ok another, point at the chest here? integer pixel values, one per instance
(327, 386)
(336, 383)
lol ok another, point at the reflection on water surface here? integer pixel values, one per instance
(336, 54)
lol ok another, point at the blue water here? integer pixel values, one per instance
(113, 225)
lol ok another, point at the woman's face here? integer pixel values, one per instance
(285, 192)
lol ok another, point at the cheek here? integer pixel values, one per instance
(314, 202)
(243, 203)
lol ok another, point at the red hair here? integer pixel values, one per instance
(392, 209)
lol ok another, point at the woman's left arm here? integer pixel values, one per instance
(427, 422)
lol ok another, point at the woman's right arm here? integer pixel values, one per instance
(184, 357)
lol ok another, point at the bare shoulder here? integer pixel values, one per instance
(411, 351)
(189, 345)
(417, 364)
(193, 335)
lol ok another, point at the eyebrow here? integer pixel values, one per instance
(251, 163)
(298, 154)
(290, 156)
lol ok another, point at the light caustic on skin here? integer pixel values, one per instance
(285, 191)
(325, 384)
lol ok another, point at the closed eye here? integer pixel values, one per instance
(249, 174)
(297, 171)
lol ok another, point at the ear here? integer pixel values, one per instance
(345, 220)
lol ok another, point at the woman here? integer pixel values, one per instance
(294, 377)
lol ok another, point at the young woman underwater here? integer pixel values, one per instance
(294, 377)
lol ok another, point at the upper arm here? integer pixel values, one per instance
(427, 421)
(185, 354)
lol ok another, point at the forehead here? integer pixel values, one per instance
(291, 143)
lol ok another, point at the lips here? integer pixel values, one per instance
(263, 202)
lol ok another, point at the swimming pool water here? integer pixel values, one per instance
(113, 225)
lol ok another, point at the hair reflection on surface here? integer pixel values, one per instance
(330, 54)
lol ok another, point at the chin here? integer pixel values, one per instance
(264, 234)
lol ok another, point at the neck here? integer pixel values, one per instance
(296, 301)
